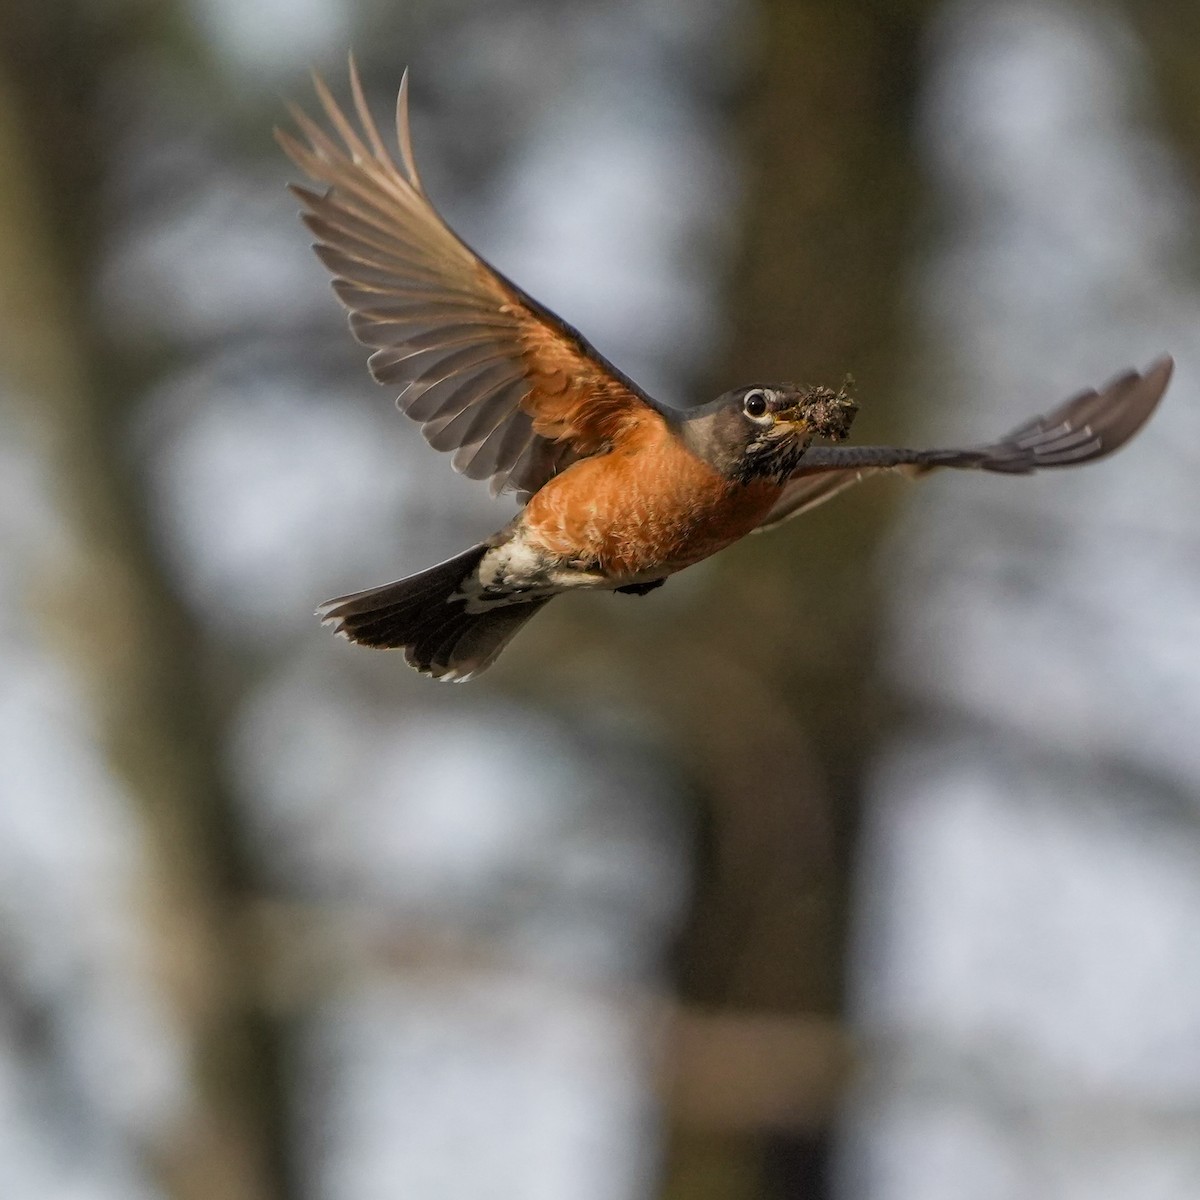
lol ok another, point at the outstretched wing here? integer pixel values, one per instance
(1087, 427)
(489, 373)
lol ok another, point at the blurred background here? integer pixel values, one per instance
(862, 862)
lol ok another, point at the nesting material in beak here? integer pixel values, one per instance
(827, 413)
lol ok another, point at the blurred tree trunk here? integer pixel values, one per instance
(111, 611)
(1171, 32)
(781, 716)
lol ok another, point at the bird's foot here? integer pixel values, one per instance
(640, 589)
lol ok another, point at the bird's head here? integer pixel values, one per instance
(761, 431)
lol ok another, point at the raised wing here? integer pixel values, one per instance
(489, 373)
(1085, 428)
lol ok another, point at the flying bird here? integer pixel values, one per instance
(618, 491)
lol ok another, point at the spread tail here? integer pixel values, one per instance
(421, 615)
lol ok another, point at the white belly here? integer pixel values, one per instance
(518, 570)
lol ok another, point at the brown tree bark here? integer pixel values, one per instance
(108, 608)
(782, 713)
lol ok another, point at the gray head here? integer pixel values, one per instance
(761, 431)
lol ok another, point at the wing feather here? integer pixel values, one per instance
(1087, 427)
(492, 376)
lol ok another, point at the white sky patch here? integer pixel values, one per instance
(271, 496)
(544, 1085)
(273, 38)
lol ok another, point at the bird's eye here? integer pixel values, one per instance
(754, 404)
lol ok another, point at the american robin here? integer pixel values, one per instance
(618, 490)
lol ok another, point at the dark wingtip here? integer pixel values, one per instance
(1089, 426)
(1158, 375)
(1128, 402)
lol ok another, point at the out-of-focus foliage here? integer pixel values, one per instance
(282, 919)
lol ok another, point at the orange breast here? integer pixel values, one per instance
(648, 507)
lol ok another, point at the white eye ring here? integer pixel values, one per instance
(755, 404)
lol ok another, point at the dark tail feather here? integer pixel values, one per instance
(439, 637)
